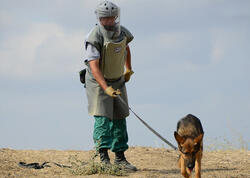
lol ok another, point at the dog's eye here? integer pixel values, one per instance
(184, 152)
(197, 146)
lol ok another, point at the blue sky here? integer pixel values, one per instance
(188, 57)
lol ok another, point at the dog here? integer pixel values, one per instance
(189, 136)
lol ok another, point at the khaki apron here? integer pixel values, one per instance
(101, 104)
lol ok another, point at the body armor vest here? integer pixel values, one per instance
(113, 59)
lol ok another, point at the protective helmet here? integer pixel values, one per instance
(109, 9)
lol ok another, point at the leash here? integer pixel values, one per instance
(150, 128)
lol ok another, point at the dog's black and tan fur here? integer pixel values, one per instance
(189, 136)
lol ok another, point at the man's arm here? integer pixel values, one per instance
(128, 66)
(128, 59)
(94, 66)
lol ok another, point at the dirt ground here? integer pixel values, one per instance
(151, 162)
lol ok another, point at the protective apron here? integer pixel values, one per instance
(112, 66)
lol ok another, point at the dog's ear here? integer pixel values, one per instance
(198, 139)
(178, 138)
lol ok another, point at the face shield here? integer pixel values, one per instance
(108, 16)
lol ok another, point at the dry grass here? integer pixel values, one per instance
(78, 167)
(151, 162)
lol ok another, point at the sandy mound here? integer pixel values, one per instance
(151, 162)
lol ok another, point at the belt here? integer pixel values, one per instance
(113, 80)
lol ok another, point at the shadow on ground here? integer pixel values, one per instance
(163, 171)
(219, 169)
(177, 171)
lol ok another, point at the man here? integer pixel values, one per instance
(107, 54)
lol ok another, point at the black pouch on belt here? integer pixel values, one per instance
(82, 76)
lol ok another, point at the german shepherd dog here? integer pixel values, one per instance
(189, 136)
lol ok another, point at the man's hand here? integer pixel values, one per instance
(128, 74)
(112, 92)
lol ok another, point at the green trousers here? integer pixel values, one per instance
(110, 134)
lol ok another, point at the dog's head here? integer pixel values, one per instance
(189, 147)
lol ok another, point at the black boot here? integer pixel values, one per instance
(121, 161)
(104, 157)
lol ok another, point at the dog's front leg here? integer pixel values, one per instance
(198, 167)
(183, 168)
